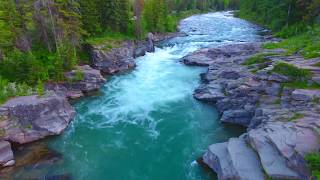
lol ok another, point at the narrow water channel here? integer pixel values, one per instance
(146, 125)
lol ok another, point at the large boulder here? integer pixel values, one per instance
(31, 118)
(81, 81)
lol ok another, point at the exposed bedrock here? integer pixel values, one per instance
(283, 123)
(79, 82)
(121, 58)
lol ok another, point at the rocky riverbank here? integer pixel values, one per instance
(28, 119)
(283, 121)
(122, 58)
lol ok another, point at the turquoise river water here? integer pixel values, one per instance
(145, 124)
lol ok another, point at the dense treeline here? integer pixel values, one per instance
(296, 20)
(291, 16)
(41, 39)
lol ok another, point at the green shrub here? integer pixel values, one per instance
(8, 90)
(313, 160)
(257, 59)
(40, 88)
(79, 75)
(302, 85)
(292, 71)
(296, 116)
(307, 44)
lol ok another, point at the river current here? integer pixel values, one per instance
(145, 124)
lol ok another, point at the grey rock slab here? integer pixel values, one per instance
(272, 162)
(218, 159)
(209, 93)
(305, 94)
(245, 162)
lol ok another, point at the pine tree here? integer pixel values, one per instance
(10, 27)
(91, 16)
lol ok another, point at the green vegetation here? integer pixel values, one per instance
(308, 44)
(296, 116)
(300, 78)
(40, 40)
(289, 18)
(256, 59)
(291, 71)
(295, 20)
(302, 85)
(40, 88)
(8, 90)
(313, 160)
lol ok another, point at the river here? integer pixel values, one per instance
(145, 124)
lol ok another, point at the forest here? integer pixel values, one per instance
(41, 39)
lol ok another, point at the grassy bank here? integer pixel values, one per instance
(307, 44)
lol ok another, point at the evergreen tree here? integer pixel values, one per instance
(91, 16)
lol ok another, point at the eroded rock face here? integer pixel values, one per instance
(115, 60)
(6, 154)
(120, 59)
(91, 80)
(31, 118)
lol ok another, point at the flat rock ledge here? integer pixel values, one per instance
(283, 123)
(31, 118)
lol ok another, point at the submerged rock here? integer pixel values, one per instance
(31, 159)
(31, 118)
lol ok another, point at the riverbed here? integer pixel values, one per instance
(145, 124)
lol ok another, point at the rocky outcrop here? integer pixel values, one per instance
(115, 60)
(120, 59)
(81, 81)
(30, 118)
(226, 83)
(283, 123)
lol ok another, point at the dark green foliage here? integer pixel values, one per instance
(291, 16)
(90, 16)
(313, 160)
(40, 88)
(308, 44)
(79, 75)
(257, 59)
(42, 39)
